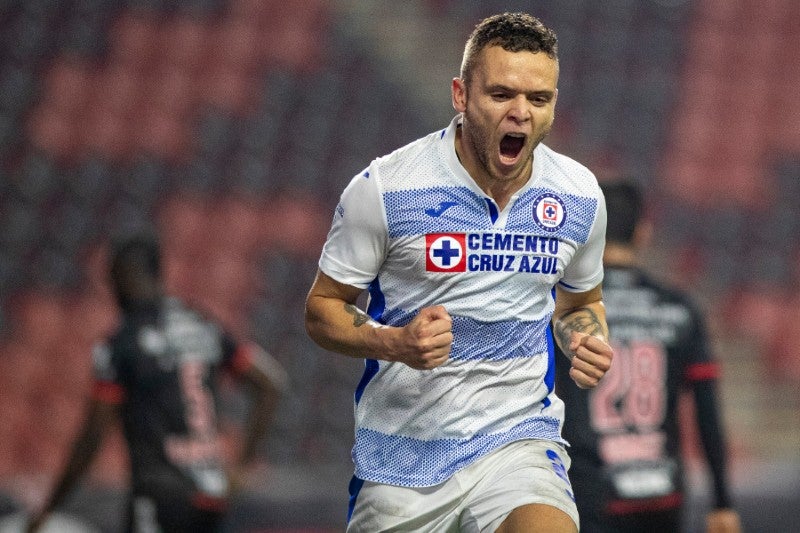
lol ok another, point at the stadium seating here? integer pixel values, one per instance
(231, 127)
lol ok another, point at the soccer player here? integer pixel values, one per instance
(625, 447)
(469, 242)
(158, 373)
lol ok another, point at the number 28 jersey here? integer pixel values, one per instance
(416, 231)
(624, 434)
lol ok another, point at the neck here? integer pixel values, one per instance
(499, 189)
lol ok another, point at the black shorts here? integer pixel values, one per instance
(175, 513)
(665, 521)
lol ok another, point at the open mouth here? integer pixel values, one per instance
(511, 145)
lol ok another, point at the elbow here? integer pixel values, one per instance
(313, 331)
(314, 326)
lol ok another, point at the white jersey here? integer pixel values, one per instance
(416, 230)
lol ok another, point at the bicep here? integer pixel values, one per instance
(327, 288)
(567, 301)
(329, 301)
(581, 312)
(333, 318)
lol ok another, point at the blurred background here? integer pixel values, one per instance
(231, 126)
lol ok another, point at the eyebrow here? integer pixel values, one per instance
(505, 88)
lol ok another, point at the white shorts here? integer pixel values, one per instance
(475, 499)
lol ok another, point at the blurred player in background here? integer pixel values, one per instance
(460, 238)
(627, 471)
(158, 372)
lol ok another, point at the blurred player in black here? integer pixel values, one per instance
(158, 372)
(627, 472)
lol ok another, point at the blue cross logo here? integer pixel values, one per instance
(549, 212)
(446, 253)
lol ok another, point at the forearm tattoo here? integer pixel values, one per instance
(359, 317)
(583, 320)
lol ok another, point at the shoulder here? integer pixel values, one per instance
(675, 302)
(566, 174)
(177, 308)
(182, 319)
(665, 290)
(108, 361)
(414, 159)
(191, 331)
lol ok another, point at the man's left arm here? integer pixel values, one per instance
(266, 380)
(723, 518)
(580, 330)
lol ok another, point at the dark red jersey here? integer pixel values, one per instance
(624, 434)
(161, 367)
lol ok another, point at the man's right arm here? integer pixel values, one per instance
(334, 321)
(581, 331)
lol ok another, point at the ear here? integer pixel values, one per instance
(459, 95)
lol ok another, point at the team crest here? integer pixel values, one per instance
(445, 252)
(549, 212)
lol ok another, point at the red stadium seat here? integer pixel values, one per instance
(134, 41)
(184, 43)
(160, 134)
(107, 134)
(54, 132)
(68, 85)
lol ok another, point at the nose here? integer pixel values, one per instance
(519, 109)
